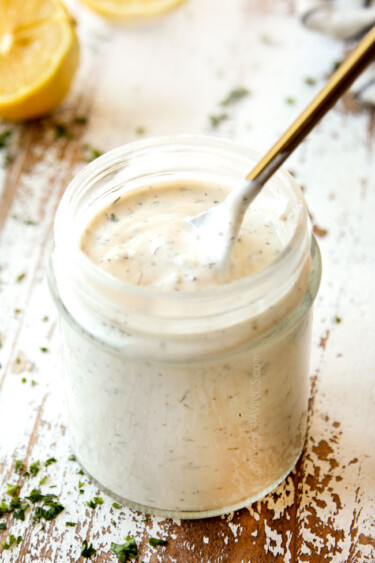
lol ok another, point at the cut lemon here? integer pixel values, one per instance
(130, 8)
(39, 54)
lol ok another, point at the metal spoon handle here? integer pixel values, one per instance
(340, 81)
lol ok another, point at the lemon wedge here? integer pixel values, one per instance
(39, 53)
(130, 8)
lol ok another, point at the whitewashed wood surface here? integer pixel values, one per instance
(168, 76)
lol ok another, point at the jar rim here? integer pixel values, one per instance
(279, 268)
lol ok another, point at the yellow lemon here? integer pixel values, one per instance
(130, 8)
(39, 53)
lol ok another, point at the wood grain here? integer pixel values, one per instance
(324, 511)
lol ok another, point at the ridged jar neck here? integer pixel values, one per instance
(157, 160)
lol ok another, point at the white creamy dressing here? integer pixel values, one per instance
(145, 239)
(207, 433)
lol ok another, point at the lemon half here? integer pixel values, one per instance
(39, 53)
(130, 8)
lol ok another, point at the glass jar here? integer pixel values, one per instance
(184, 404)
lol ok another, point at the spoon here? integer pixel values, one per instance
(228, 215)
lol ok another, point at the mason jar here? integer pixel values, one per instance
(184, 404)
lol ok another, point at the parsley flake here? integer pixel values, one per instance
(44, 350)
(98, 500)
(12, 540)
(13, 490)
(5, 138)
(125, 551)
(72, 458)
(80, 120)
(2, 526)
(20, 277)
(310, 81)
(154, 542)
(140, 130)
(61, 130)
(34, 468)
(116, 505)
(20, 514)
(50, 461)
(91, 504)
(112, 217)
(49, 511)
(217, 119)
(234, 96)
(92, 152)
(87, 551)
(37, 496)
(19, 466)
(43, 480)
(338, 320)
(70, 524)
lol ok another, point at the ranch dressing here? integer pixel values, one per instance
(186, 391)
(145, 238)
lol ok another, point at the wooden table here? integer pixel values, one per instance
(169, 76)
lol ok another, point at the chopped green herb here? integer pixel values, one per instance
(4, 508)
(335, 66)
(52, 510)
(234, 96)
(140, 130)
(43, 349)
(338, 320)
(92, 152)
(12, 540)
(310, 81)
(20, 277)
(98, 500)
(5, 138)
(43, 480)
(19, 466)
(80, 484)
(45, 319)
(87, 551)
(146, 519)
(20, 514)
(80, 120)
(13, 490)
(2, 526)
(72, 458)
(61, 130)
(81, 491)
(70, 524)
(125, 551)
(217, 119)
(50, 461)
(15, 502)
(154, 542)
(33, 383)
(23, 380)
(80, 472)
(24, 221)
(91, 504)
(34, 468)
(36, 496)
(116, 505)
(290, 100)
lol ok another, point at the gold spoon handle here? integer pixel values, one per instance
(335, 87)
